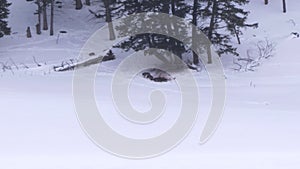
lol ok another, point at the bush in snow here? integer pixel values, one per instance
(255, 56)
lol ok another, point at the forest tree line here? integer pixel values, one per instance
(222, 21)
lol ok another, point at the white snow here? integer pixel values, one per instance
(39, 127)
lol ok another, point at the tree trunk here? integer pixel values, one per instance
(45, 22)
(212, 20)
(38, 25)
(173, 6)
(88, 2)
(194, 31)
(284, 6)
(237, 35)
(38, 29)
(51, 18)
(211, 29)
(266, 2)
(209, 54)
(78, 5)
(112, 35)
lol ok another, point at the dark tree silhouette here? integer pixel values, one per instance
(4, 12)
(52, 18)
(284, 6)
(78, 4)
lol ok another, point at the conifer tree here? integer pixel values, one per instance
(226, 20)
(150, 40)
(4, 12)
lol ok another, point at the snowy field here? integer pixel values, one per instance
(39, 128)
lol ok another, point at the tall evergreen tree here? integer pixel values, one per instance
(4, 12)
(226, 19)
(220, 20)
(151, 40)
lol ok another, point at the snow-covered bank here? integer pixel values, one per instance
(39, 128)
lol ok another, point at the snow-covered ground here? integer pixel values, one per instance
(39, 127)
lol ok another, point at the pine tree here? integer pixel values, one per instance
(151, 40)
(116, 8)
(226, 19)
(4, 12)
